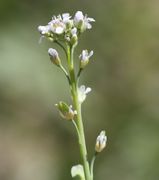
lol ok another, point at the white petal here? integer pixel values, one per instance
(91, 54)
(82, 88)
(59, 30)
(74, 31)
(79, 15)
(44, 29)
(91, 20)
(40, 40)
(88, 90)
(89, 26)
(66, 15)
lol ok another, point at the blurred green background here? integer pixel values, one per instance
(35, 143)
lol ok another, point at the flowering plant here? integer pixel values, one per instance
(65, 31)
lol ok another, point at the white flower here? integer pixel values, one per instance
(66, 19)
(82, 93)
(54, 57)
(84, 57)
(82, 22)
(57, 25)
(101, 142)
(88, 21)
(44, 29)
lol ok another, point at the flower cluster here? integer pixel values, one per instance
(65, 28)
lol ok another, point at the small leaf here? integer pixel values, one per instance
(77, 170)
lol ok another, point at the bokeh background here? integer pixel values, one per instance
(35, 143)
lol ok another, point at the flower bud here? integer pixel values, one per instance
(74, 37)
(101, 142)
(84, 58)
(54, 57)
(79, 20)
(67, 21)
(66, 111)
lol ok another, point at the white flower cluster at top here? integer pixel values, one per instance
(65, 28)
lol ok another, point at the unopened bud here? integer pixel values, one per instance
(79, 21)
(101, 142)
(66, 111)
(69, 24)
(54, 57)
(74, 37)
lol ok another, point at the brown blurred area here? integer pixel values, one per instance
(35, 143)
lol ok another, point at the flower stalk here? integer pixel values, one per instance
(65, 32)
(77, 105)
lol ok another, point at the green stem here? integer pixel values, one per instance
(79, 137)
(78, 75)
(57, 42)
(77, 105)
(92, 164)
(65, 72)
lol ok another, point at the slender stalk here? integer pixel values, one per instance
(57, 42)
(78, 134)
(92, 164)
(65, 72)
(78, 75)
(77, 105)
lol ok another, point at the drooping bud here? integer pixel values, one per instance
(84, 58)
(101, 142)
(66, 111)
(54, 57)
